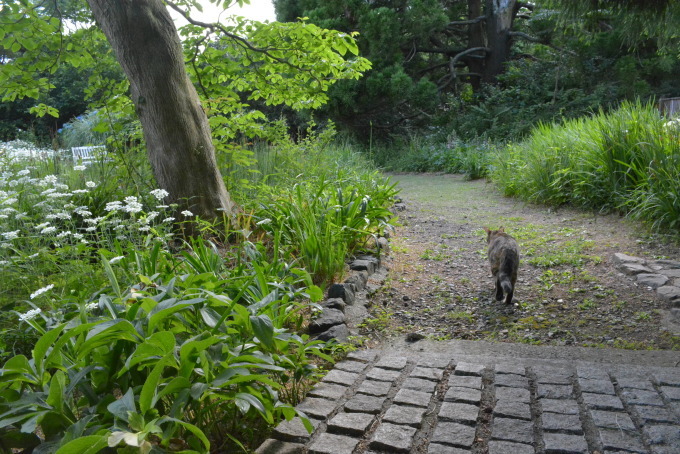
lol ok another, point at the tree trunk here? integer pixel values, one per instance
(176, 130)
(476, 38)
(500, 15)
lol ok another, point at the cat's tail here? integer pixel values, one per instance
(508, 288)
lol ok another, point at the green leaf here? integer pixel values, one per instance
(149, 390)
(45, 342)
(55, 397)
(89, 444)
(263, 329)
(111, 275)
(123, 406)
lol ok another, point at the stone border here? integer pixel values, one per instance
(335, 315)
(663, 276)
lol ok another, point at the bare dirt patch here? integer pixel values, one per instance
(568, 291)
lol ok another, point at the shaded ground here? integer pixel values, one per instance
(568, 291)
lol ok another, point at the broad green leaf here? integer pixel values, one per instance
(121, 407)
(45, 342)
(263, 329)
(150, 388)
(55, 397)
(89, 444)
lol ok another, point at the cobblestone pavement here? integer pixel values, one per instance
(394, 402)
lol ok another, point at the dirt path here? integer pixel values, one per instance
(568, 291)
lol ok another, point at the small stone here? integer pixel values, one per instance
(624, 441)
(466, 381)
(591, 373)
(504, 368)
(460, 394)
(328, 443)
(327, 319)
(364, 404)
(671, 392)
(563, 406)
(350, 423)
(408, 416)
(351, 366)
(363, 355)
(632, 269)
(334, 303)
(363, 265)
(338, 332)
(383, 374)
(464, 368)
(663, 434)
(510, 429)
(554, 391)
(343, 291)
(427, 373)
(642, 397)
(669, 293)
(512, 409)
(552, 376)
(328, 390)
(635, 382)
(436, 448)
(392, 362)
(294, 430)
(566, 424)
(596, 386)
(651, 280)
(670, 378)
(505, 447)
(675, 273)
(419, 384)
(619, 258)
(458, 412)
(654, 414)
(612, 420)
(412, 397)
(556, 443)
(516, 394)
(358, 280)
(272, 446)
(511, 380)
(341, 377)
(454, 434)
(393, 438)
(602, 402)
(374, 388)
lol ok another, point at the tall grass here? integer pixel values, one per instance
(627, 160)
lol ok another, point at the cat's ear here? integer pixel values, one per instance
(501, 230)
(486, 229)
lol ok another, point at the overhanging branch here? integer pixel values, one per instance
(534, 39)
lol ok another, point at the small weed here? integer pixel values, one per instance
(429, 254)
(619, 305)
(640, 316)
(464, 280)
(461, 315)
(587, 304)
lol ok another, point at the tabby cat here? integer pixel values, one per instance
(504, 260)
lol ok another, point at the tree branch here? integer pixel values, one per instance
(446, 80)
(534, 39)
(457, 23)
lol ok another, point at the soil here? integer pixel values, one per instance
(568, 292)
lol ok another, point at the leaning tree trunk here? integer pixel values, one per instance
(500, 15)
(145, 41)
(476, 38)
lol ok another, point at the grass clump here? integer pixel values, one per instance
(627, 160)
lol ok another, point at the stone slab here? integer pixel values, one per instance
(405, 415)
(516, 394)
(612, 420)
(641, 397)
(341, 377)
(436, 448)
(556, 443)
(563, 406)
(331, 391)
(392, 362)
(602, 401)
(350, 423)
(314, 406)
(412, 397)
(565, 424)
(338, 332)
(383, 374)
(459, 412)
(393, 438)
(272, 446)
(294, 430)
(419, 384)
(654, 414)
(374, 388)
(663, 434)
(652, 280)
(510, 429)
(465, 368)
(466, 381)
(460, 394)
(596, 386)
(428, 373)
(454, 434)
(351, 366)
(547, 391)
(507, 447)
(365, 404)
(328, 443)
(512, 409)
(329, 317)
(671, 392)
(511, 380)
(624, 441)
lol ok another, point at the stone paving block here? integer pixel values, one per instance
(602, 402)
(351, 366)
(427, 373)
(436, 448)
(374, 388)
(563, 406)
(363, 355)
(663, 435)
(506, 447)
(294, 430)
(596, 386)
(333, 444)
(341, 377)
(350, 423)
(516, 394)
(464, 368)
(460, 394)
(635, 382)
(671, 392)
(565, 424)
(551, 391)
(553, 376)
(401, 414)
(315, 406)
(511, 380)
(505, 368)
(393, 438)
(564, 444)
(457, 412)
(624, 441)
(512, 409)
(272, 446)
(439, 362)
(466, 381)
(328, 390)
(453, 434)
(592, 373)
(612, 420)
(641, 397)
(662, 450)
(419, 384)
(383, 374)
(364, 404)
(667, 378)
(392, 362)
(510, 429)
(654, 414)
(412, 397)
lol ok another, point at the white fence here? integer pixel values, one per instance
(87, 155)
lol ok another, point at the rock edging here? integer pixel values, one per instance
(663, 276)
(345, 303)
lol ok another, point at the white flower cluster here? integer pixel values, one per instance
(30, 315)
(40, 291)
